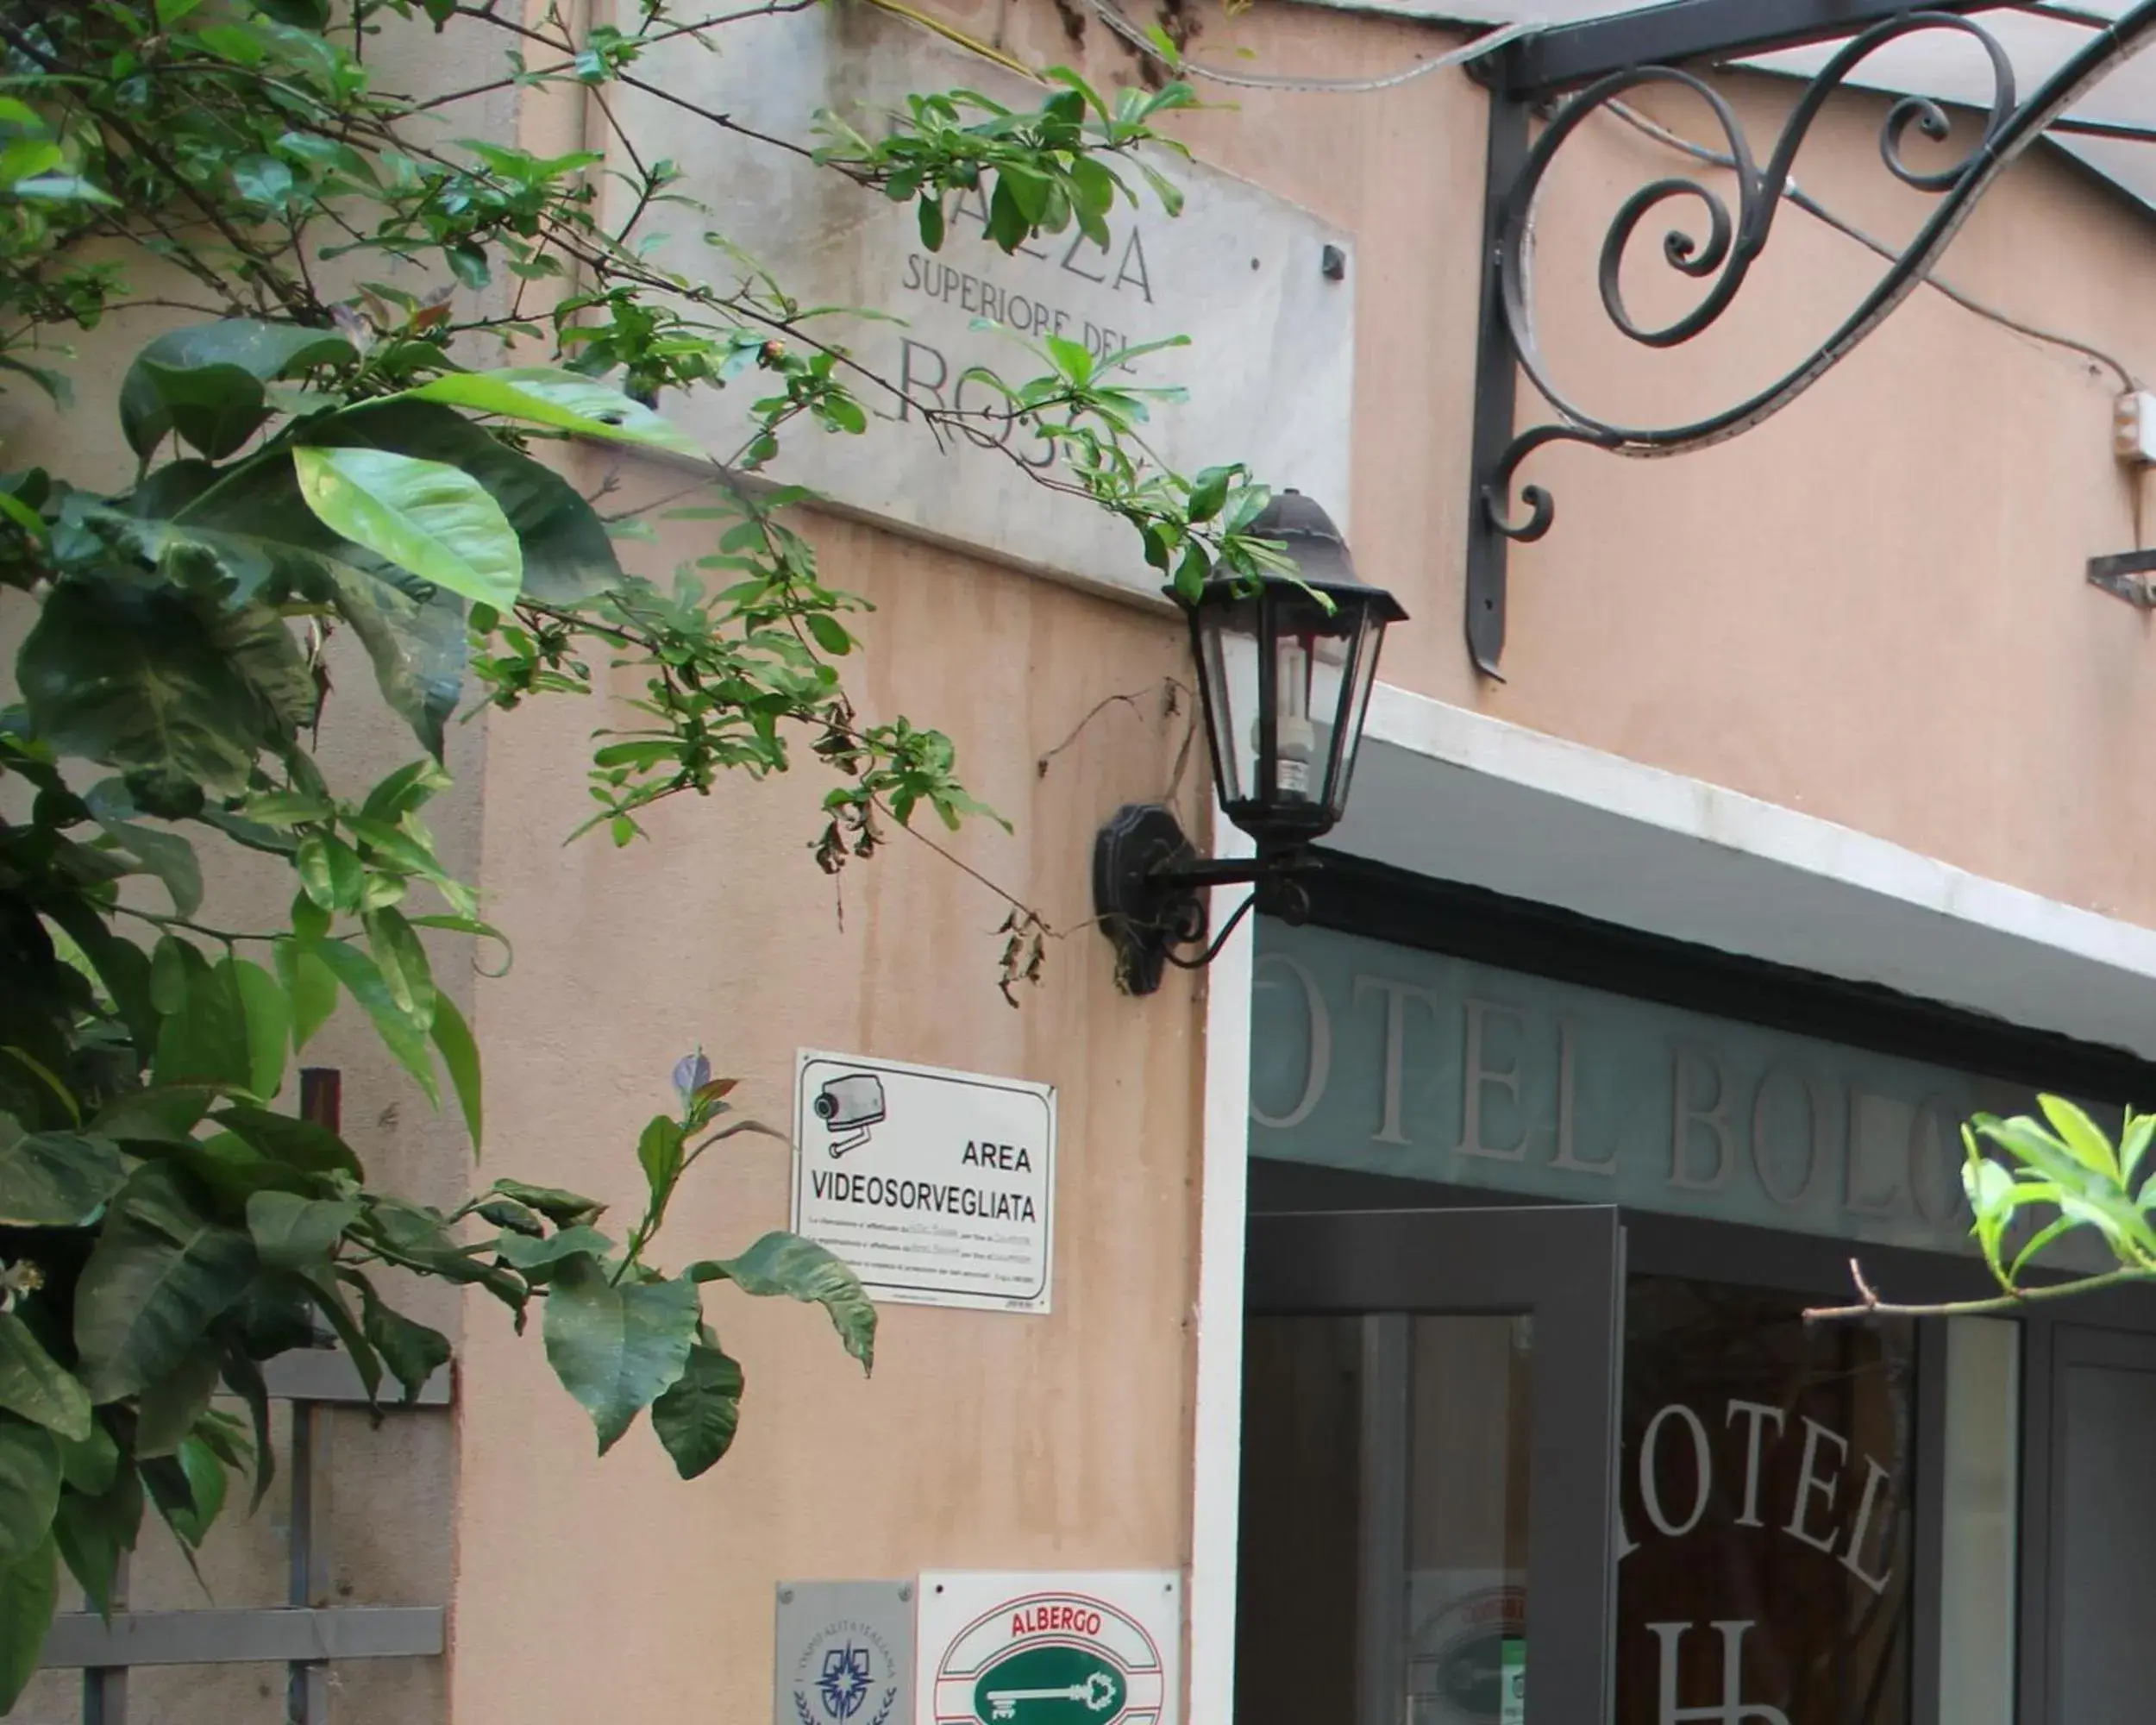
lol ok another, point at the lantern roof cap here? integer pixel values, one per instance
(1320, 554)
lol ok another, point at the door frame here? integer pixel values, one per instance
(1658, 1244)
(1562, 1265)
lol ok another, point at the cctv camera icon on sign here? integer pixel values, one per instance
(850, 1106)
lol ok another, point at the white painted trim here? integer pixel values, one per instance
(1461, 796)
(1456, 795)
(1216, 1417)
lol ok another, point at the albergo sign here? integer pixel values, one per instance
(1004, 1649)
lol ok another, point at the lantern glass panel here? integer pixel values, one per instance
(1321, 679)
(1355, 690)
(1228, 652)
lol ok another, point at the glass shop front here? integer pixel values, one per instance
(1536, 1431)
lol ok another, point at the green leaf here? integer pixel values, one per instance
(543, 395)
(29, 1486)
(507, 1213)
(298, 1144)
(2031, 1145)
(2134, 1137)
(330, 872)
(243, 1377)
(188, 1490)
(930, 215)
(403, 964)
(235, 42)
(207, 1038)
(2084, 1138)
(92, 1530)
(215, 408)
(564, 1209)
(467, 263)
(55, 1180)
(461, 1055)
(259, 179)
(27, 158)
(29, 1589)
(267, 1014)
(291, 1233)
(412, 1351)
(569, 556)
(527, 1254)
(261, 646)
(167, 1411)
(696, 1418)
(417, 647)
(409, 788)
(659, 1154)
(261, 351)
(428, 517)
(301, 14)
(404, 1039)
(36, 1387)
(309, 984)
(322, 1287)
(781, 1263)
(169, 1113)
(149, 1289)
(89, 1466)
(167, 855)
(122, 965)
(617, 1348)
(131, 677)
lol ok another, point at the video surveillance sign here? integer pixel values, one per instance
(937, 1188)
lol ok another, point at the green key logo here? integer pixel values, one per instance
(1050, 1686)
(1050, 1658)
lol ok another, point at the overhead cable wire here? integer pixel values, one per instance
(1812, 207)
(1112, 17)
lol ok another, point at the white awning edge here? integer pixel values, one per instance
(1456, 795)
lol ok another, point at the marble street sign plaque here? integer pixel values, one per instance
(1240, 271)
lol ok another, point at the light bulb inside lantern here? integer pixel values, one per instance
(1295, 739)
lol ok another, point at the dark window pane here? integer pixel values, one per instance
(2109, 1558)
(1295, 1612)
(1765, 1491)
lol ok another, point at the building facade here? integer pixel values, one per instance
(1425, 1281)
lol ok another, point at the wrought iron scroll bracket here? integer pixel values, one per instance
(1718, 249)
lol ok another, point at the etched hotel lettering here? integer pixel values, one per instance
(1810, 1483)
(1733, 1709)
(1318, 1041)
(1852, 1559)
(1869, 1188)
(1397, 994)
(1478, 1073)
(1815, 1145)
(1757, 1414)
(1711, 1118)
(1568, 1156)
(1650, 1471)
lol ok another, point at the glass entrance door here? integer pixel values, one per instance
(1766, 1549)
(1429, 1435)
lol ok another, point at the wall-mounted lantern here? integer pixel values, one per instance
(1285, 669)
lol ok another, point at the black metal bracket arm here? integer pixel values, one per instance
(2131, 575)
(1719, 247)
(1150, 887)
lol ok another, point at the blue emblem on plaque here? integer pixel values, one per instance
(847, 1676)
(845, 1684)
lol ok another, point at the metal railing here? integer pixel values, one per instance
(307, 1633)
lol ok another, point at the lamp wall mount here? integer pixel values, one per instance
(1719, 248)
(1150, 887)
